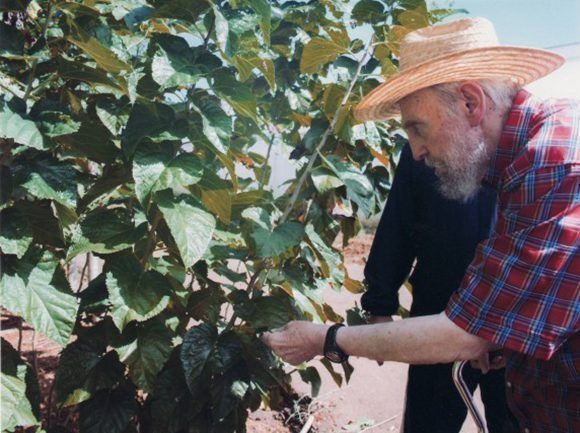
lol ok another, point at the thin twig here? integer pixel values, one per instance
(249, 289)
(379, 424)
(85, 267)
(265, 164)
(327, 133)
(49, 413)
(34, 357)
(20, 337)
(35, 60)
(150, 245)
(308, 425)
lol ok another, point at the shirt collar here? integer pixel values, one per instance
(514, 135)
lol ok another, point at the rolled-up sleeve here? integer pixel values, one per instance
(521, 291)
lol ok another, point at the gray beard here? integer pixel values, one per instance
(464, 168)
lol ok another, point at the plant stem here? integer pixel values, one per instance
(35, 61)
(20, 338)
(85, 267)
(327, 133)
(249, 289)
(150, 245)
(265, 164)
(206, 40)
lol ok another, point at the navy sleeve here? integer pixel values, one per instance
(391, 255)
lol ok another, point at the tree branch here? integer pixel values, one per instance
(327, 133)
(150, 245)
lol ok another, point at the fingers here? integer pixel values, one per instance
(481, 363)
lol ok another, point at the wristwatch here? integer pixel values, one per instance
(332, 351)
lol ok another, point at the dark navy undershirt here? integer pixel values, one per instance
(418, 222)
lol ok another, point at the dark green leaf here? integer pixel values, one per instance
(204, 352)
(190, 225)
(310, 375)
(78, 71)
(146, 352)
(105, 231)
(84, 369)
(15, 232)
(157, 169)
(109, 411)
(46, 178)
(149, 119)
(11, 41)
(237, 94)
(369, 11)
(265, 312)
(182, 9)
(272, 243)
(36, 288)
(133, 293)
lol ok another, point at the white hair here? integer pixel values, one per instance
(501, 91)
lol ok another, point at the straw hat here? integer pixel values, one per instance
(465, 49)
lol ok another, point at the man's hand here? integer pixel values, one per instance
(297, 342)
(489, 361)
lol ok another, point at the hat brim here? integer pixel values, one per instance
(522, 65)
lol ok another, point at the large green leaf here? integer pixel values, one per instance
(369, 11)
(133, 293)
(175, 63)
(182, 9)
(318, 52)
(85, 368)
(103, 56)
(146, 353)
(190, 225)
(264, 10)
(265, 312)
(237, 94)
(45, 178)
(205, 352)
(78, 71)
(330, 260)
(325, 180)
(150, 119)
(15, 232)
(272, 243)
(109, 411)
(358, 187)
(36, 288)
(156, 169)
(245, 64)
(19, 128)
(20, 392)
(105, 231)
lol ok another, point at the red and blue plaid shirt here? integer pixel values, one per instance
(521, 290)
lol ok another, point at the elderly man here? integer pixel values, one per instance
(460, 98)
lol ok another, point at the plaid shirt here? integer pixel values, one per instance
(521, 290)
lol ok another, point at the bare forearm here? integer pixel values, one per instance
(419, 340)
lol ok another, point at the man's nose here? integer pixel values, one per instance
(419, 152)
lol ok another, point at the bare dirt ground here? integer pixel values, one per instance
(371, 402)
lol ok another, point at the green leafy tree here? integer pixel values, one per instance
(140, 132)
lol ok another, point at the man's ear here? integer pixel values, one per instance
(474, 102)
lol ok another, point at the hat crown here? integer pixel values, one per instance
(433, 42)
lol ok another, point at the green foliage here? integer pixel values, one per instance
(140, 132)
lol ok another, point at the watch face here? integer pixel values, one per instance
(334, 356)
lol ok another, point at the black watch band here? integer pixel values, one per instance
(332, 351)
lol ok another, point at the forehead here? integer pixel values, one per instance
(421, 105)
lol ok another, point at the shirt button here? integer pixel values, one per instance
(509, 385)
(526, 430)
